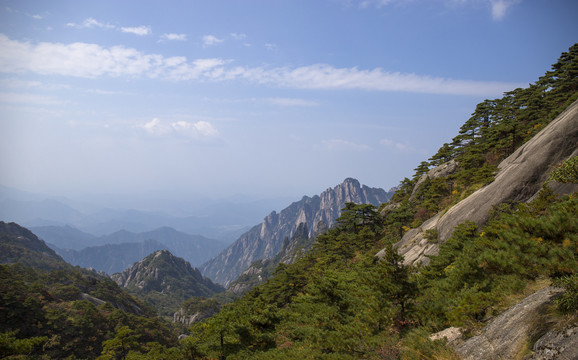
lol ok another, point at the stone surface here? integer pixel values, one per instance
(520, 177)
(159, 270)
(265, 240)
(182, 317)
(521, 174)
(560, 345)
(506, 336)
(452, 335)
(442, 170)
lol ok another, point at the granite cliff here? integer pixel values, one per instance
(519, 178)
(266, 239)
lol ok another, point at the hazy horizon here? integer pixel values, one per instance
(271, 100)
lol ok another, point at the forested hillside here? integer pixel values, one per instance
(339, 300)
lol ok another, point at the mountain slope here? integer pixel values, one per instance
(265, 240)
(165, 281)
(262, 269)
(20, 245)
(519, 178)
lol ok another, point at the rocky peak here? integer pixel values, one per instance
(265, 240)
(161, 269)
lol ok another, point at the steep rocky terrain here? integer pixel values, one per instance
(520, 177)
(265, 240)
(165, 281)
(262, 269)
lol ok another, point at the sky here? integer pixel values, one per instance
(258, 97)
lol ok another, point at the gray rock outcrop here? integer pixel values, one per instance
(521, 174)
(188, 319)
(507, 335)
(439, 171)
(265, 240)
(520, 177)
(557, 344)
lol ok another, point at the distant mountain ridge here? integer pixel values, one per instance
(265, 240)
(224, 219)
(115, 252)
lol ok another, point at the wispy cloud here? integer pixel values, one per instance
(174, 37)
(29, 99)
(195, 130)
(91, 61)
(238, 36)
(291, 102)
(400, 147)
(91, 23)
(500, 7)
(139, 30)
(210, 40)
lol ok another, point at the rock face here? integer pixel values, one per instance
(519, 178)
(506, 336)
(261, 270)
(265, 240)
(164, 273)
(442, 170)
(182, 317)
(557, 344)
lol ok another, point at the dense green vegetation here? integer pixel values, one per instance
(338, 301)
(165, 282)
(73, 313)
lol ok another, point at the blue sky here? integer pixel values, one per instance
(264, 98)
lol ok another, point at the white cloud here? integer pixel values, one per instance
(338, 144)
(500, 7)
(29, 99)
(92, 61)
(291, 102)
(271, 47)
(139, 30)
(196, 130)
(91, 23)
(238, 36)
(174, 37)
(209, 40)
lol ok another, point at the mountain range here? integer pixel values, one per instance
(115, 252)
(265, 240)
(224, 219)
